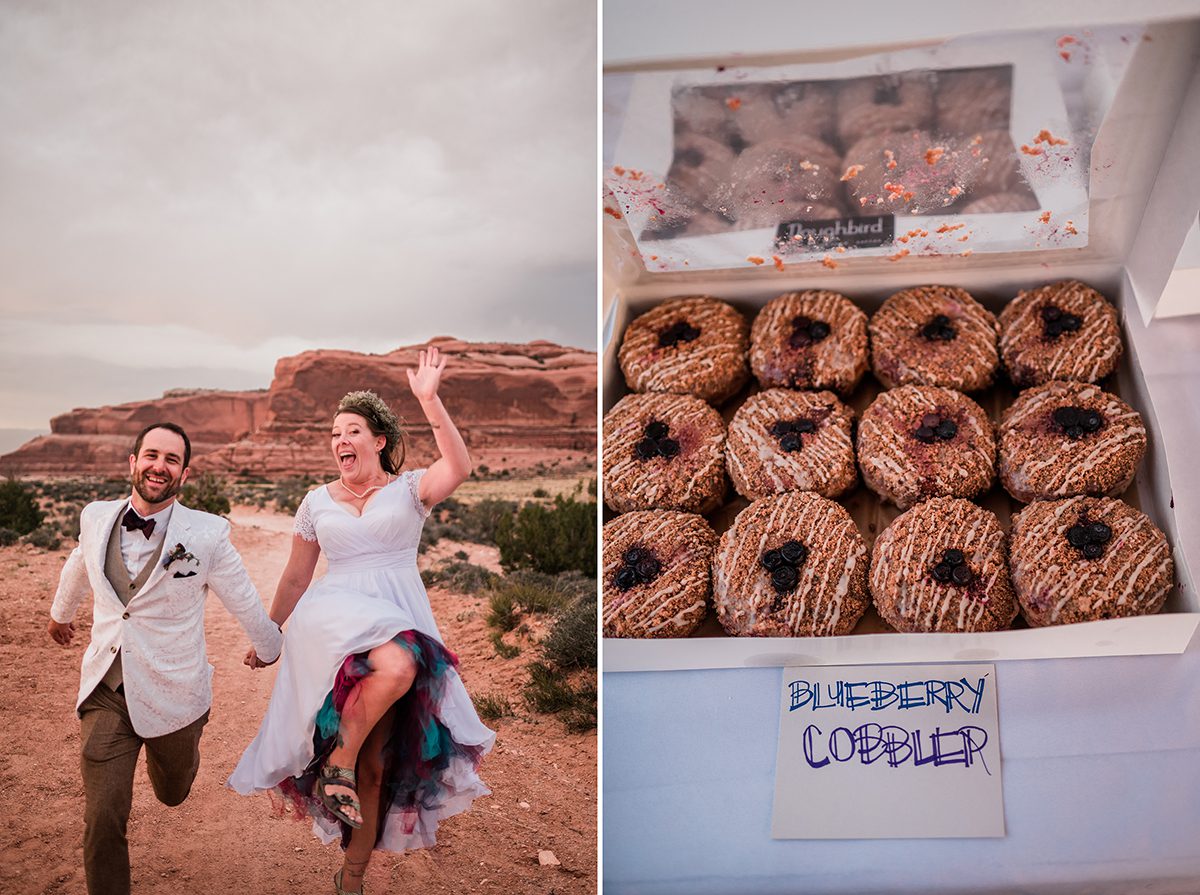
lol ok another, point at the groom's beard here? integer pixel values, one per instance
(153, 493)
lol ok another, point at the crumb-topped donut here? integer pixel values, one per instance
(772, 180)
(1067, 438)
(781, 440)
(1088, 558)
(1064, 330)
(873, 105)
(920, 441)
(943, 566)
(782, 110)
(692, 346)
(970, 100)
(657, 573)
(934, 335)
(995, 164)
(663, 451)
(700, 168)
(905, 172)
(815, 339)
(792, 565)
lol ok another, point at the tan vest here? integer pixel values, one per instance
(118, 577)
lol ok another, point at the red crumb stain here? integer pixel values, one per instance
(618, 170)
(1066, 55)
(862, 203)
(841, 250)
(1044, 136)
(977, 139)
(966, 252)
(809, 166)
(829, 262)
(1030, 150)
(852, 172)
(950, 228)
(934, 154)
(720, 68)
(954, 192)
(901, 239)
(1069, 226)
(1044, 217)
(1066, 39)
(754, 259)
(612, 211)
(900, 254)
(778, 262)
(908, 196)
(896, 189)
(891, 159)
(976, 152)
(964, 237)
(734, 103)
(654, 257)
(916, 232)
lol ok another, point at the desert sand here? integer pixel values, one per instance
(543, 779)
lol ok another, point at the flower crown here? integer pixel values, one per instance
(366, 400)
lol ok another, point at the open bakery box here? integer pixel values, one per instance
(1042, 156)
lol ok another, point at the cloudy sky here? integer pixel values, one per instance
(192, 190)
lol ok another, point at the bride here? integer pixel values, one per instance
(369, 729)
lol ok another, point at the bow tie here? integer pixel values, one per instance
(132, 520)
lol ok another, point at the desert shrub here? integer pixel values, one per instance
(46, 537)
(550, 539)
(8, 537)
(18, 507)
(492, 706)
(461, 577)
(462, 554)
(207, 493)
(504, 650)
(502, 611)
(571, 641)
(540, 492)
(287, 493)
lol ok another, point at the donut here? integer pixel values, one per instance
(1087, 558)
(921, 441)
(815, 339)
(777, 180)
(792, 565)
(784, 110)
(1064, 438)
(943, 566)
(905, 172)
(1063, 330)
(690, 345)
(663, 451)
(972, 100)
(657, 574)
(934, 335)
(781, 440)
(872, 105)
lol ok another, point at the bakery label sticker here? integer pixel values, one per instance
(867, 232)
(888, 752)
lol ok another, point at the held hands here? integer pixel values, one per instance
(253, 661)
(424, 381)
(61, 633)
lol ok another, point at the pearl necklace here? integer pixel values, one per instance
(368, 491)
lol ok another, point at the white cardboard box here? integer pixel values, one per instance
(1139, 215)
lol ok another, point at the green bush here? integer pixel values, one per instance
(571, 642)
(492, 706)
(461, 577)
(8, 537)
(288, 493)
(206, 492)
(46, 537)
(502, 611)
(550, 539)
(18, 508)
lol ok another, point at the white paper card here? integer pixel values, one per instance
(888, 752)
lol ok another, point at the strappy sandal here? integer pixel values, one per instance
(337, 886)
(337, 803)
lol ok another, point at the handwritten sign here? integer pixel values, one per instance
(888, 752)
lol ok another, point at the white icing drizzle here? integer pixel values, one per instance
(669, 484)
(837, 361)
(650, 367)
(825, 462)
(969, 361)
(1087, 354)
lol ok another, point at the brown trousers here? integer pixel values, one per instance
(109, 754)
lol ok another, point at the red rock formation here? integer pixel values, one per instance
(516, 405)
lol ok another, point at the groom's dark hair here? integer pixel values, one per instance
(170, 427)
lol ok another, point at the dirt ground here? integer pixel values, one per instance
(543, 779)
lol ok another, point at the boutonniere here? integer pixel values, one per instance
(179, 552)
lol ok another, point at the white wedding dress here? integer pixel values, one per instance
(371, 594)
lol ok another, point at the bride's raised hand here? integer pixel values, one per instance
(426, 378)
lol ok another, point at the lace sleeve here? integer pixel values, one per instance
(414, 482)
(304, 523)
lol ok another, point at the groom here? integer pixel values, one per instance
(148, 563)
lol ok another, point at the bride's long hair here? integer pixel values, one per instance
(381, 421)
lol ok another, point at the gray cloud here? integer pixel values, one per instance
(242, 178)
